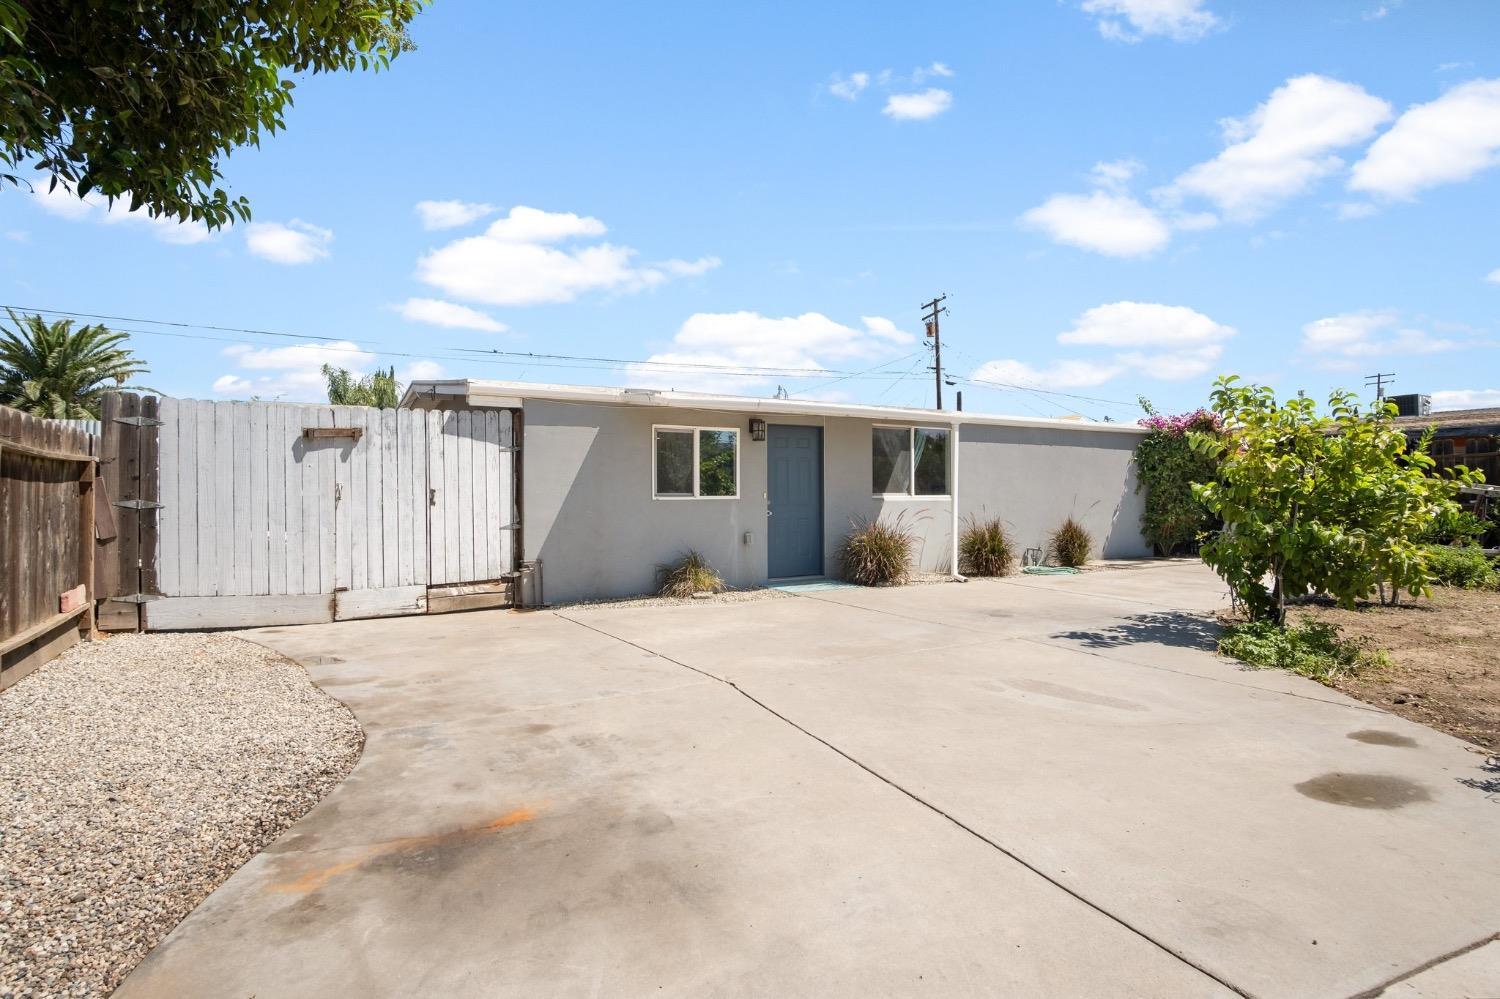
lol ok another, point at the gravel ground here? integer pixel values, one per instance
(656, 600)
(136, 774)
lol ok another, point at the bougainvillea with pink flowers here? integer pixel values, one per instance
(1167, 467)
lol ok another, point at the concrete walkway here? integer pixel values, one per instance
(1028, 787)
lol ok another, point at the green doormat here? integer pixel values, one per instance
(1050, 570)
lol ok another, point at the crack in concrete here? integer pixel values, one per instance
(1119, 920)
(1378, 990)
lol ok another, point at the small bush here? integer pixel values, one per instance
(1464, 566)
(984, 549)
(1454, 525)
(877, 552)
(689, 575)
(1070, 544)
(1313, 649)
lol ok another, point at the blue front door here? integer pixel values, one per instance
(794, 534)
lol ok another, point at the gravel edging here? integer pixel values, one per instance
(136, 774)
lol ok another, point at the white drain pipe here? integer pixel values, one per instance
(953, 499)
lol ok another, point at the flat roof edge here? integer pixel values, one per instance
(478, 392)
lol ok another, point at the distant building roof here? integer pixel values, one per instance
(1478, 421)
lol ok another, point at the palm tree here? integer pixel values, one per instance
(53, 370)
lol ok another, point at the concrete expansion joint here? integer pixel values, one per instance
(1121, 921)
(1379, 990)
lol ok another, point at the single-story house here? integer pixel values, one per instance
(614, 482)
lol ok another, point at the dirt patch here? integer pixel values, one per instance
(1445, 660)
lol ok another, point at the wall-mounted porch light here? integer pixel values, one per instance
(757, 429)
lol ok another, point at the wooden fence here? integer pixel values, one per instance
(47, 526)
(253, 513)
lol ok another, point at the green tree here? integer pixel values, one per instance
(53, 370)
(380, 389)
(1321, 504)
(143, 101)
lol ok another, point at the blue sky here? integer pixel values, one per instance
(1120, 197)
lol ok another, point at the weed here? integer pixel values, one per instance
(1464, 566)
(1314, 649)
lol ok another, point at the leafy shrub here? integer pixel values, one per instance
(1167, 467)
(689, 575)
(1464, 566)
(1455, 526)
(984, 549)
(1313, 649)
(1319, 504)
(877, 552)
(1070, 544)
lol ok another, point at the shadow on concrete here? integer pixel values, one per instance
(1489, 785)
(1180, 630)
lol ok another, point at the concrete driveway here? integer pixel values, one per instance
(1027, 787)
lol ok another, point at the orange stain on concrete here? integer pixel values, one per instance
(314, 879)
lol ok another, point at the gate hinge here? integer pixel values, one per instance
(140, 421)
(137, 504)
(136, 598)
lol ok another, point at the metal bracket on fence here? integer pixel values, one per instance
(140, 421)
(136, 598)
(138, 504)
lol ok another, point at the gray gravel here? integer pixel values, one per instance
(136, 774)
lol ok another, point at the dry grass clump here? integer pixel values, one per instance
(689, 575)
(877, 552)
(1070, 544)
(984, 549)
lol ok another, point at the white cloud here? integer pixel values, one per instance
(436, 312)
(92, 208)
(1441, 142)
(1059, 375)
(1380, 12)
(1493, 277)
(1144, 324)
(934, 69)
(1347, 337)
(294, 242)
(1282, 147)
(750, 340)
(511, 263)
(928, 103)
(1133, 20)
(418, 371)
(532, 225)
(1466, 399)
(849, 87)
(1112, 224)
(1180, 343)
(447, 214)
(292, 373)
(1356, 210)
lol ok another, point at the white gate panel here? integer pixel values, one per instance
(350, 527)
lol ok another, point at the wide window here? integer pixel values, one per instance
(908, 461)
(695, 462)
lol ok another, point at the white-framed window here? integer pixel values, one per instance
(908, 461)
(695, 462)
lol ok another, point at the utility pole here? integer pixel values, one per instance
(1379, 381)
(931, 311)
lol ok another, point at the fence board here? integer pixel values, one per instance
(169, 518)
(277, 450)
(47, 539)
(150, 492)
(468, 530)
(260, 503)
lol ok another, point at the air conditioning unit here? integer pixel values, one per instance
(1412, 405)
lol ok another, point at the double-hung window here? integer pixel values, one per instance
(695, 462)
(908, 461)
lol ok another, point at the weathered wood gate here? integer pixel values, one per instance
(275, 513)
(47, 505)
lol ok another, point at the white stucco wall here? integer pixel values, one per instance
(590, 517)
